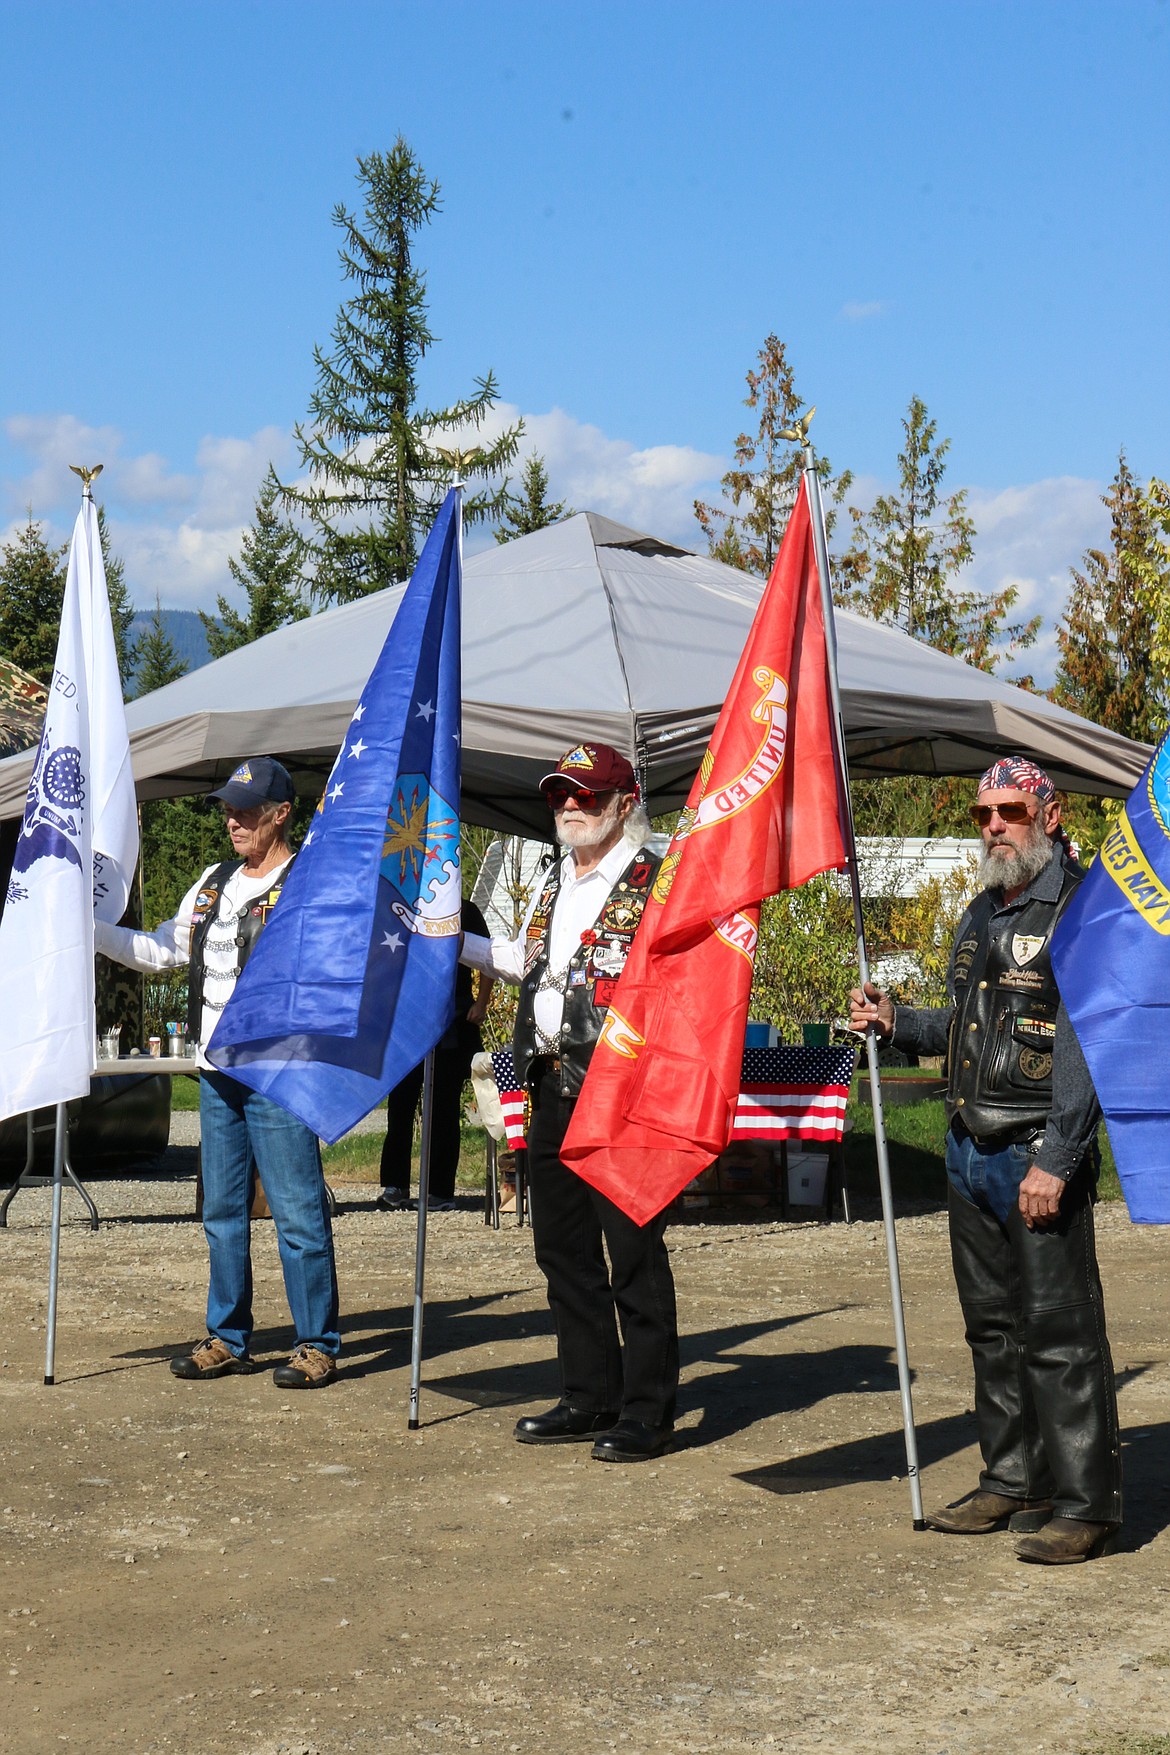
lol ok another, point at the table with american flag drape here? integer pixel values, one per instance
(785, 1093)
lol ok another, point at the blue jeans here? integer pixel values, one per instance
(237, 1125)
(988, 1176)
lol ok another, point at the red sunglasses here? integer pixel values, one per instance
(558, 795)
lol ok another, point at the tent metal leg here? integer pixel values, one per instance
(26, 1179)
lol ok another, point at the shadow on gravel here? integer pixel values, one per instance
(877, 1457)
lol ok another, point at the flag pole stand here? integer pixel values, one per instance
(55, 1243)
(420, 1247)
(875, 1086)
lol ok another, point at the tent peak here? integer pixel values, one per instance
(607, 534)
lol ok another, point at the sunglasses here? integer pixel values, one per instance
(592, 801)
(1008, 813)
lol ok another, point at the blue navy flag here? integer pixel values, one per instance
(1111, 954)
(352, 981)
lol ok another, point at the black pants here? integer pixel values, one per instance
(570, 1222)
(1045, 1401)
(452, 1065)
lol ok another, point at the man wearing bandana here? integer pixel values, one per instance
(566, 960)
(1022, 1164)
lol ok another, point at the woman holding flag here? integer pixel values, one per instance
(217, 924)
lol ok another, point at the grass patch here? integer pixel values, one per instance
(916, 1135)
(358, 1159)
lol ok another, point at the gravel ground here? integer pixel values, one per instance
(228, 1569)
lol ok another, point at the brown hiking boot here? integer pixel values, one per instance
(979, 1513)
(1066, 1541)
(307, 1368)
(210, 1358)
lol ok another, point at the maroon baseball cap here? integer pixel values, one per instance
(596, 766)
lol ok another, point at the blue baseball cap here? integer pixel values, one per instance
(259, 780)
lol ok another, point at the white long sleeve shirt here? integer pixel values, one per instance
(169, 945)
(577, 908)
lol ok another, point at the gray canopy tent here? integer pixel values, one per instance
(587, 628)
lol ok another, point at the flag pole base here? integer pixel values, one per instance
(50, 1381)
(412, 1426)
(920, 1524)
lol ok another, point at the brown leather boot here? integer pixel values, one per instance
(980, 1512)
(1066, 1541)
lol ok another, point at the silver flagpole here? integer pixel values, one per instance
(55, 1244)
(821, 547)
(420, 1247)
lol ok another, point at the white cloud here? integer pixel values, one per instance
(1030, 537)
(176, 529)
(860, 311)
(651, 488)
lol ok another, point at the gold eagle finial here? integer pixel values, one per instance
(459, 460)
(88, 476)
(797, 433)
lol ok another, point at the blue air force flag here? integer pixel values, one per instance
(352, 981)
(1111, 954)
(75, 853)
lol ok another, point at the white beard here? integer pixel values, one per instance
(1011, 870)
(582, 830)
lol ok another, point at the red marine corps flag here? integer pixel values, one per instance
(660, 1095)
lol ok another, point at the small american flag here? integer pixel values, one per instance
(793, 1093)
(785, 1093)
(511, 1096)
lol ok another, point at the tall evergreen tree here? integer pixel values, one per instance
(269, 571)
(377, 475)
(1109, 633)
(762, 486)
(531, 508)
(156, 662)
(906, 554)
(32, 587)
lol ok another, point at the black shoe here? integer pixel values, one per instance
(633, 1441)
(394, 1200)
(561, 1425)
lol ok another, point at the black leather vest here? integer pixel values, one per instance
(999, 1056)
(248, 930)
(592, 974)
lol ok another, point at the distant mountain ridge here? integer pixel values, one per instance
(182, 628)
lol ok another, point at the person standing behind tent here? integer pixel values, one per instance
(218, 922)
(453, 1056)
(1022, 1162)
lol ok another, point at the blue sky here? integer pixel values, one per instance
(963, 201)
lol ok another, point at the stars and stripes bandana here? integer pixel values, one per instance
(1020, 773)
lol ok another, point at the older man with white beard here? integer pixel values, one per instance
(1022, 1164)
(566, 960)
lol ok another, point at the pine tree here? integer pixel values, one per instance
(762, 486)
(121, 609)
(903, 563)
(531, 509)
(155, 659)
(377, 475)
(1109, 632)
(269, 572)
(32, 587)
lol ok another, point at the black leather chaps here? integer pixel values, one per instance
(1045, 1401)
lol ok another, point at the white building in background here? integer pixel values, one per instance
(902, 867)
(513, 867)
